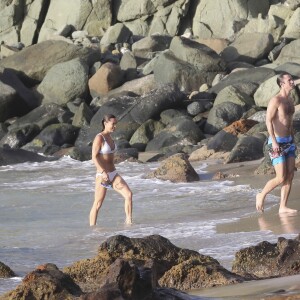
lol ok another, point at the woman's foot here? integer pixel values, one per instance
(260, 202)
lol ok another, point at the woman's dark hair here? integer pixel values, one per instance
(280, 77)
(106, 118)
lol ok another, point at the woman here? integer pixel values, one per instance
(107, 177)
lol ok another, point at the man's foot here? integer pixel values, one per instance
(285, 210)
(260, 202)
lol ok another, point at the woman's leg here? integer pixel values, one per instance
(100, 193)
(120, 185)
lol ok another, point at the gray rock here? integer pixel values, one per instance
(117, 33)
(223, 115)
(247, 148)
(222, 141)
(249, 47)
(195, 108)
(253, 75)
(146, 132)
(128, 64)
(73, 74)
(259, 116)
(83, 115)
(6, 271)
(34, 62)
(289, 53)
(293, 27)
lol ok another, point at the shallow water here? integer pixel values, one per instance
(44, 210)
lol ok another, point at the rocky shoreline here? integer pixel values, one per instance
(183, 80)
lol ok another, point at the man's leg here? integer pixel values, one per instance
(286, 186)
(280, 170)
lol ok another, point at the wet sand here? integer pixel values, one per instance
(277, 288)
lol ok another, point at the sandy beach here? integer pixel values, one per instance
(278, 288)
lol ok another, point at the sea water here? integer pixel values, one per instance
(44, 210)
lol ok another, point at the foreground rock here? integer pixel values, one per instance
(5, 271)
(152, 255)
(267, 260)
(176, 168)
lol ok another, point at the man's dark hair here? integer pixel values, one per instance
(280, 77)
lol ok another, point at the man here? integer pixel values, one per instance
(279, 121)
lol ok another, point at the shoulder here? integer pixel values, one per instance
(98, 138)
(275, 101)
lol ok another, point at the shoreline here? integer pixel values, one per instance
(270, 220)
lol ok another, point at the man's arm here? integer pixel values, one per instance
(271, 114)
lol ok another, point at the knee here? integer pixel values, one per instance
(281, 179)
(129, 194)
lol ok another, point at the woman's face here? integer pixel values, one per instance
(111, 124)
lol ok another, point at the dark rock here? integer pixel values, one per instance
(195, 108)
(42, 116)
(222, 141)
(168, 115)
(3, 130)
(128, 64)
(18, 137)
(267, 260)
(176, 168)
(223, 115)
(247, 148)
(15, 156)
(82, 116)
(5, 271)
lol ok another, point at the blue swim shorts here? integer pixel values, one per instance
(286, 149)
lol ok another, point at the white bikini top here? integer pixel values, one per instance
(106, 149)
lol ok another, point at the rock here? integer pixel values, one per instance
(10, 103)
(146, 132)
(45, 280)
(180, 131)
(192, 274)
(232, 94)
(128, 65)
(11, 78)
(6, 271)
(259, 127)
(218, 45)
(82, 116)
(117, 33)
(195, 108)
(289, 53)
(41, 116)
(267, 260)
(34, 62)
(3, 130)
(168, 115)
(259, 116)
(18, 137)
(268, 89)
(247, 148)
(128, 154)
(203, 153)
(240, 127)
(74, 75)
(253, 75)
(176, 169)
(221, 19)
(293, 27)
(222, 141)
(149, 46)
(16, 156)
(249, 47)
(223, 115)
(108, 77)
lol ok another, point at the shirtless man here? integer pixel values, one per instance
(279, 121)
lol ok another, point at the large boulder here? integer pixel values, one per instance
(293, 26)
(222, 141)
(222, 19)
(249, 47)
(34, 62)
(267, 260)
(223, 115)
(117, 33)
(73, 74)
(253, 75)
(188, 64)
(234, 95)
(176, 168)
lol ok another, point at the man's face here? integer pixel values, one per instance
(287, 82)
